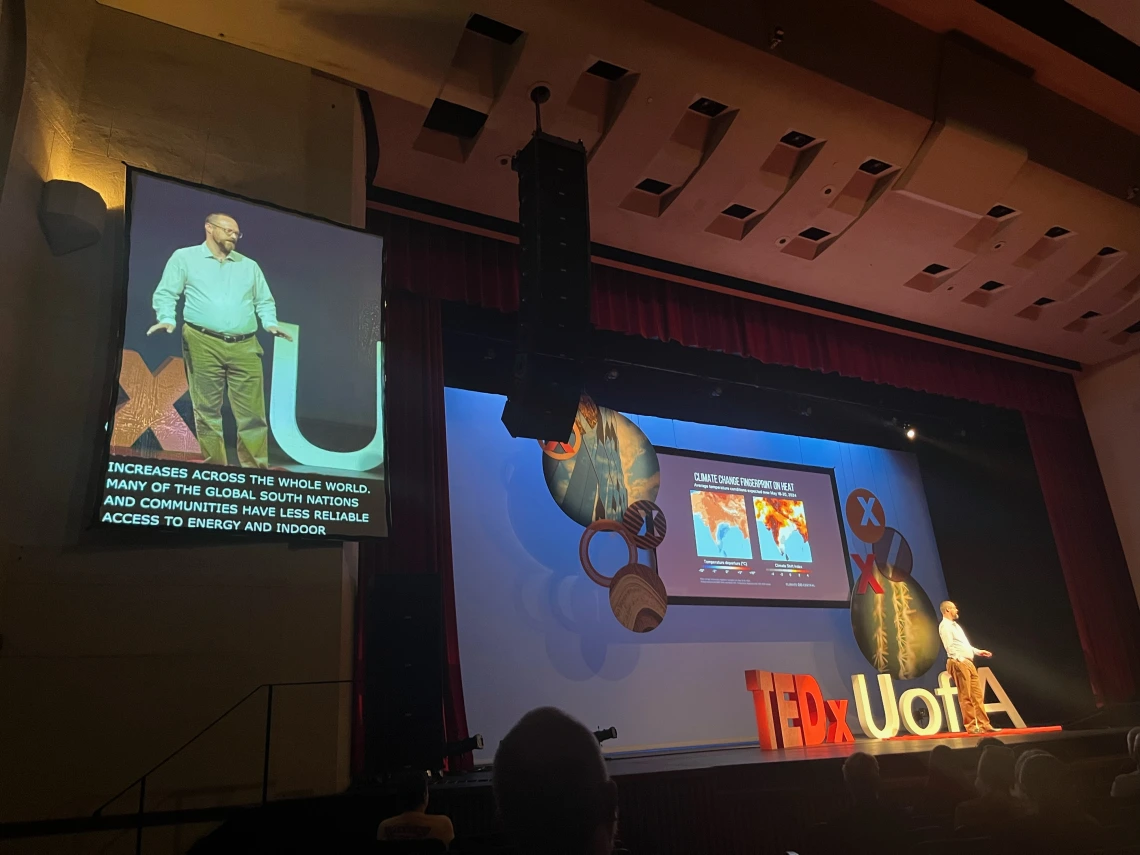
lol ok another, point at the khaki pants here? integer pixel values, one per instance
(969, 685)
(214, 367)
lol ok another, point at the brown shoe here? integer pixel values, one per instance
(992, 729)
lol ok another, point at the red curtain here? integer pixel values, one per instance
(455, 265)
(1096, 571)
(419, 539)
(636, 304)
(452, 265)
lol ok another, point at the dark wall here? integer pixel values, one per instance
(989, 517)
(1002, 570)
(13, 49)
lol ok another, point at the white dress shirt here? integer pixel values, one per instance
(955, 641)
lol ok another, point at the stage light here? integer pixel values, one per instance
(612, 374)
(911, 433)
(463, 746)
(716, 392)
(603, 735)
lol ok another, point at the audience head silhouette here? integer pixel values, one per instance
(1127, 786)
(1022, 759)
(1042, 780)
(939, 761)
(551, 786)
(995, 771)
(987, 741)
(861, 775)
(412, 790)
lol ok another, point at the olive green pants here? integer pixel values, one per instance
(214, 367)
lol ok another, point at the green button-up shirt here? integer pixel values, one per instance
(224, 296)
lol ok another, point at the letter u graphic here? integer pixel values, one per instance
(283, 413)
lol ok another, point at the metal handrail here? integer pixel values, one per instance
(140, 781)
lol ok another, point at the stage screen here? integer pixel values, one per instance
(761, 532)
(536, 628)
(250, 396)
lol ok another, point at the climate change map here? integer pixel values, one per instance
(720, 522)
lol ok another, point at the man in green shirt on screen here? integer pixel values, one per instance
(225, 294)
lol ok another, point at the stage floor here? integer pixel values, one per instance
(651, 762)
(656, 762)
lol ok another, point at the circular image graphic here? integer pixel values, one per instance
(638, 598)
(563, 450)
(893, 556)
(865, 515)
(645, 523)
(612, 467)
(897, 631)
(584, 549)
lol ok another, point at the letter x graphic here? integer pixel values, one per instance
(867, 574)
(868, 503)
(151, 405)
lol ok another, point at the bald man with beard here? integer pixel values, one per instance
(960, 666)
(224, 293)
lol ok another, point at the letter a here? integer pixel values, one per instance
(1004, 704)
(283, 413)
(863, 707)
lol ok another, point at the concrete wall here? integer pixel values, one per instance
(1110, 396)
(112, 656)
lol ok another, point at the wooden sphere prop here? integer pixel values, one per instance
(638, 598)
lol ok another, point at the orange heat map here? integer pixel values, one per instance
(778, 515)
(716, 509)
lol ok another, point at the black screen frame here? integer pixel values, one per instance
(777, 603)
(162, 535)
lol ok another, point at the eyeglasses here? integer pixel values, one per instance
(233, 233)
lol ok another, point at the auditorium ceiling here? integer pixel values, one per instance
(930, 162)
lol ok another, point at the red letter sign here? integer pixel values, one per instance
(791, 711)
(867, 574)
(813, 717)
(759, 683)
(837, 729)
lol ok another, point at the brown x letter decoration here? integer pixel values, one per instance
(151, 405)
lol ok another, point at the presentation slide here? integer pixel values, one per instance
(250, 393)
(759, 532)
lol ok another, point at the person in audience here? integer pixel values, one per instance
(945, 787)
(1127, 786)
(1017, 767)
(986, 741)
(552, 789)
(414, 823)
(868, 824)
(995, 805)
(1054, 822)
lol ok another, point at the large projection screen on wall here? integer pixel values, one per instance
(249, 398)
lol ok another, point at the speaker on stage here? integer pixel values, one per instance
(403, 691)
(554, 288)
